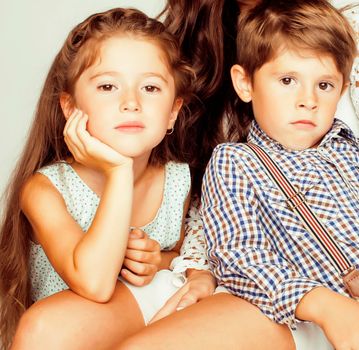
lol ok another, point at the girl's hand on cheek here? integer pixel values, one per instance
(87, 149)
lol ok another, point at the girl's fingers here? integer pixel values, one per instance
(146, 244)
(81, 129)
(139, 268)
(69, 121)
(72, 138)
(152, 258)
(134, 279)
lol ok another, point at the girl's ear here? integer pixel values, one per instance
(174, 113)
(67, 104)
(241, 83)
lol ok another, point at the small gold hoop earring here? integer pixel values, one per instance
(170, 131)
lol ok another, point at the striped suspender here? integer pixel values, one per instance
(296, 202)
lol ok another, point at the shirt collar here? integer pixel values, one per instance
(338, 130)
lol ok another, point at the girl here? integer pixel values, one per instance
(115, 90)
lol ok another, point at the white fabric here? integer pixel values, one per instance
(151, 297)
(309, 336)
(193, 251)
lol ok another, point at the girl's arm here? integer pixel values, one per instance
(89, 263)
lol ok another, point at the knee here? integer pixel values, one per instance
(33, 330)
(132, 343)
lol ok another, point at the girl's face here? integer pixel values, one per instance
(129, 96)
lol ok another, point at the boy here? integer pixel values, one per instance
(294, 60)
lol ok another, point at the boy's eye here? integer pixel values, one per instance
(324, 85)
(107, 87)
(151, 88)
(287, 81)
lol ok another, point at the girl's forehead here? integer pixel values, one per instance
(134, 50)
(130, 56)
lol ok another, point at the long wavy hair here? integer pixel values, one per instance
(45, 143)
(206, 31)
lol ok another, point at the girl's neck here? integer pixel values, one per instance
(96, 180)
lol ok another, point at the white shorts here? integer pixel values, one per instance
(307, 336)
(151, 297)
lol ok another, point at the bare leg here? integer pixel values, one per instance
(68, 321)
(222, 321)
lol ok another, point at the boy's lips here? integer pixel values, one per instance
(305, 123)
(130, 126)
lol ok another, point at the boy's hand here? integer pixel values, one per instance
(142, 258)
(87, 149)
(200, 284)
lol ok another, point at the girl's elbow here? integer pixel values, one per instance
(98, 291)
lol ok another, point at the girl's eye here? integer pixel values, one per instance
(287, 81)
(107, 87)
(151, 88)
(324, 85)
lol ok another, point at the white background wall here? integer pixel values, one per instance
(31, 32)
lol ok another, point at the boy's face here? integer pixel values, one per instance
(295, 97)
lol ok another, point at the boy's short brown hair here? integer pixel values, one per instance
(311, 25)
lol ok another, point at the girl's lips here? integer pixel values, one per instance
(131, 126)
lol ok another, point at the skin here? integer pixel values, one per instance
(222, 321)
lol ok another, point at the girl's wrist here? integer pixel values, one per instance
(125, 167)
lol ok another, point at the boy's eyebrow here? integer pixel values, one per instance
(324, 76)
(145, 74)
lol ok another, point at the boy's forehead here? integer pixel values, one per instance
(308, 66)
(300, 58)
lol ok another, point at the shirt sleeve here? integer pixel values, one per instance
(241, 254)
(193, 251)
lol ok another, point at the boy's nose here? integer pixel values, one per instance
(307, 100)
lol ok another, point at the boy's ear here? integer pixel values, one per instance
(67, 104)
(241, 83)
(344, 88)
(177, 105)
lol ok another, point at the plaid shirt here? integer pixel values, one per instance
(258, 248)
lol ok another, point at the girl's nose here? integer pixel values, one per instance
(129, 102)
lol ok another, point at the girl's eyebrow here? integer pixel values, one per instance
(330, 77)
(145, 74)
